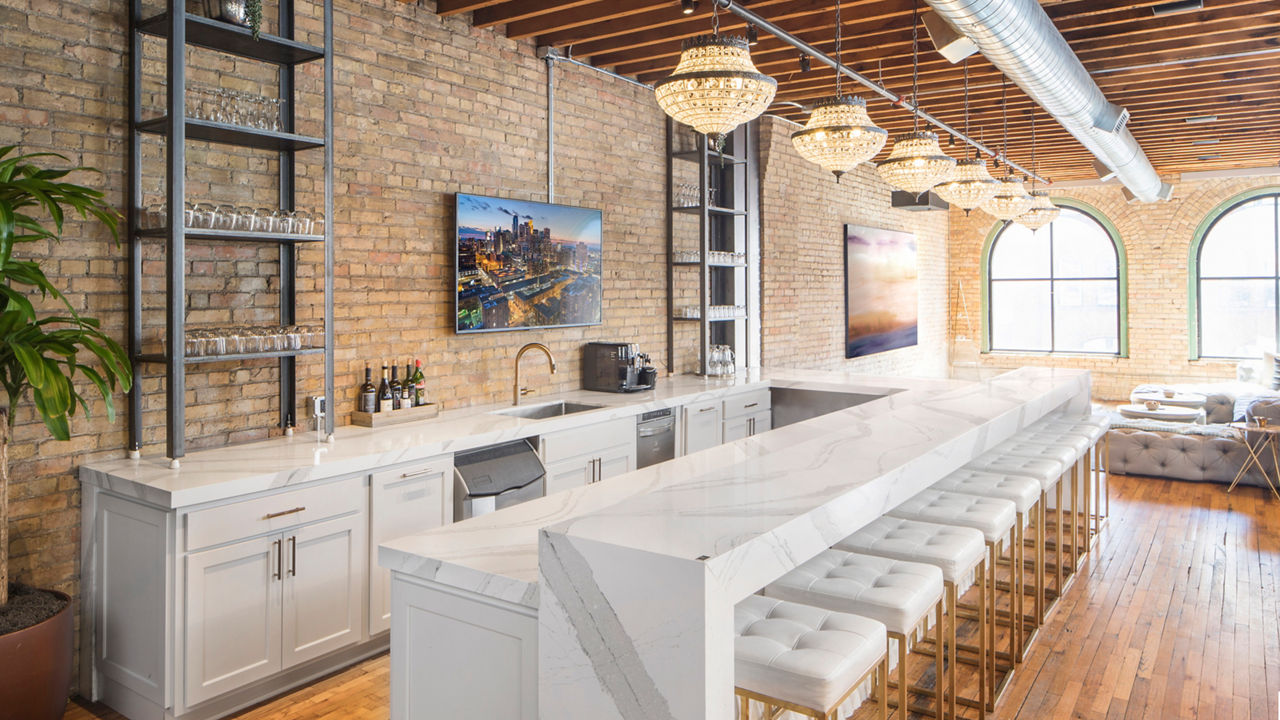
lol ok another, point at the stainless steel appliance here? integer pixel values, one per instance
(494, 477)
(616, 367)
(655, 437)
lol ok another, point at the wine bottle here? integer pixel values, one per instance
(384, 393)
(406, 390)
(395, 387)
(368, 393)
(419, 385)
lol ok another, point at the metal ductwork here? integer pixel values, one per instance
(1020, 39)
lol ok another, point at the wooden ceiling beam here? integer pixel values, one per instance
(513, 11)
(445, 8)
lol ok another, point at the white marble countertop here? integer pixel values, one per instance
(238, 470)
(712, 502)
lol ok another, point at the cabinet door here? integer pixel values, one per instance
(570, 473)
(616, 461)
(761, 422)
(403, 502)
(701, 426)
(233, 617)
(323, 587)
(737, 429)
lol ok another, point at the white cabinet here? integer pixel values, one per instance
(233, 616)
(747, 425)
(403, 501)
(701, 422)
(259, 605)
(747, 414)
(586, 455)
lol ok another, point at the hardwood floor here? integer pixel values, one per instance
(1176, 615)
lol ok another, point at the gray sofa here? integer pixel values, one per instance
(1199, 453)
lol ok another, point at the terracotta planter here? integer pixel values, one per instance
(35, 668)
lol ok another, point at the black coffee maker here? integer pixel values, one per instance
(616, 367)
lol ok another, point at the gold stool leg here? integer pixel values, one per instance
(884, 687)
(1057, 551)
(1042, 552)
(902, 676)
(986, 676)
(744, 708)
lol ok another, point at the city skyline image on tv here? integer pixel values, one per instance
(523, 264)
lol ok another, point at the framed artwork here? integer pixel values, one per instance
(880, 290)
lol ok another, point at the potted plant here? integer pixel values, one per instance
(240, 12)
(43, 356)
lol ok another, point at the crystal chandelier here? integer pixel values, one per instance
(839, 134)
(916, 162)
(715, 86)
(1041, 213)
(970, 185)
(1042, 210)
(1010, 199)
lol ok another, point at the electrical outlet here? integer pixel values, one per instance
(317, 406)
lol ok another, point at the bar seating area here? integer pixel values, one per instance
(948, 574)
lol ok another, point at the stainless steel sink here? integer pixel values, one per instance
(547, 410)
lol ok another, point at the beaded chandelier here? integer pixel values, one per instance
(715, 86)
(839, 134)
(916, 162)
(1010, 200)
(970, 185)
(1041, 213)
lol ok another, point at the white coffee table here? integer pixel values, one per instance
(1164, 412)
(1187, 400)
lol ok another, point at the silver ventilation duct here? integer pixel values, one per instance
(1020, 39)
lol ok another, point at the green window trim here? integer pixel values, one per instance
(1193, 263)
(1122, 275)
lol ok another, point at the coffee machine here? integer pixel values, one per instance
(616, 367)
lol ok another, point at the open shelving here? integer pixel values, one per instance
(179, 30)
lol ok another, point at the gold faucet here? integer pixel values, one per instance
(516, 390)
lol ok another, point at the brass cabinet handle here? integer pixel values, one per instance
(282, 513)
(751, 405)
(279, 551)
(418, 473)
(707, 409)
(293, 555)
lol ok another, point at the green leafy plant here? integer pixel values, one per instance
(43, 354)
(253, 13)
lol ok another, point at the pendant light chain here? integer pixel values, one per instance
(966, 103)
(715, 18)
(839, 53)
(1034, 169)
(915, 65)
(1004, 111)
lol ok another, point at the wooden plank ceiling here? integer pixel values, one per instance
(1222, 61)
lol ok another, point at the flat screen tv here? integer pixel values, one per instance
(522, 265)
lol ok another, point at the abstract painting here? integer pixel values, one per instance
(881, 300)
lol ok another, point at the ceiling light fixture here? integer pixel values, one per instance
(1204, 158)
(970, 185)
(715, 86)
(1042, 210)
(916, 162)
(753, 35)
(688, 6)
(1010, 199)
(1200, 119)
(1206, 141)
(1177, 6)
(806, 63)
(839, 134)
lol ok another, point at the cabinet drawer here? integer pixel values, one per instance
(588, 440)
(748, 403)
(247, 518)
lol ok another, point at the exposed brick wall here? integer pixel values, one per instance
(425, 107)
(1157, 239)
(803, 213)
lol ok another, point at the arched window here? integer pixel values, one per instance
(1057, 289)
(1236, 274)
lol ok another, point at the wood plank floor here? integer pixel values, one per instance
(1176, 615)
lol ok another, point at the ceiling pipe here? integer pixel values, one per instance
(1018, 37)
(899, 100)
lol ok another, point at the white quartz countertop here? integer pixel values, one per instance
(238, 470)
(718, 502)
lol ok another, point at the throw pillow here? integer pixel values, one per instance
(1270, 370)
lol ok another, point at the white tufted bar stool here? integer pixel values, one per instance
(898, 594)
(1024, 493)
(960, 553)
(804, 659)
(995, 518)
(1048, 473)
(1066, 546)
(1094, 428)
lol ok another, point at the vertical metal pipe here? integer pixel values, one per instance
(133, 199)
(288, 255)
(551, 128)
(175, 258)
(671, 251)
(328, 219)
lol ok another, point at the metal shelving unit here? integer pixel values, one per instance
(179, 29)
(730, 225)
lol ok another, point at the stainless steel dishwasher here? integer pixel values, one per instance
(655, 437)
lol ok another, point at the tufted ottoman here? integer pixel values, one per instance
(804, 659)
